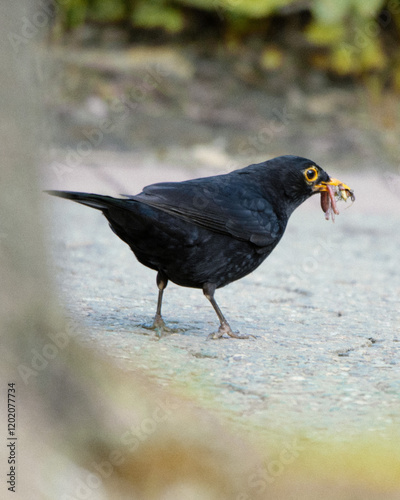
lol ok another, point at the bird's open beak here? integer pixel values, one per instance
(342, 190)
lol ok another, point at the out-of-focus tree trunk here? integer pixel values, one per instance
(74, 409)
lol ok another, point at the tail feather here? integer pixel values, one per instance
(97, 201)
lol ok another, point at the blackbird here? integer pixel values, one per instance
(207, 232)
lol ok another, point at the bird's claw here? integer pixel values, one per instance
(226, 329)
(159, 327)
(159, 323)
(162, 330)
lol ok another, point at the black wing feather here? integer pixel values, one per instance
(218, 205)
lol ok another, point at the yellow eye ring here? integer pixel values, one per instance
(311, 174)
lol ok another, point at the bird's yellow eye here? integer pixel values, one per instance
(311, 174)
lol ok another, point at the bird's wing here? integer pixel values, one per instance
(226, 208)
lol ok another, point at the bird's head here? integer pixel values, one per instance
(301, 178)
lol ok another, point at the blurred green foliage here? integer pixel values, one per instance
(343, 37)
(157, 14)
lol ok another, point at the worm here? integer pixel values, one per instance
(328, 203)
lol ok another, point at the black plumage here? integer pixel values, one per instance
(207, 232)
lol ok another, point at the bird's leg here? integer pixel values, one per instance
(162, 282)
(209, 290)
(158, 323)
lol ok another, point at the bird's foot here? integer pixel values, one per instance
(225, 328)
(160, 327)
(159, 323)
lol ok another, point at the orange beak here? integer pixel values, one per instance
(342, 190)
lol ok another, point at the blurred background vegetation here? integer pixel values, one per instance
(228, 82)
(343, 39)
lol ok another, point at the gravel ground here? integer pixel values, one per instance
(324, 309)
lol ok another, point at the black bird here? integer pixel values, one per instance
(207, 232)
